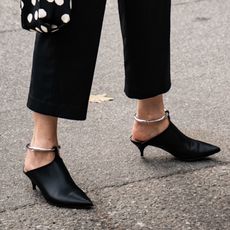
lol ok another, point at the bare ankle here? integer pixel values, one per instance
(44, 143)
(35, 159)
(143, 132)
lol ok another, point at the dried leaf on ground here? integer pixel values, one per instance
(99, 98)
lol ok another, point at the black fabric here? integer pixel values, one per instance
(64, 62)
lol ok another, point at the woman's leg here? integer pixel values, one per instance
(46, 169)
(145, 29)
(62, 74)
(44, 136)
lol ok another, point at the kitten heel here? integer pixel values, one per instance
(139, 145)
(33, 185)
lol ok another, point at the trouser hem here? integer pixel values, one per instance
(57, 110)
(135, 94)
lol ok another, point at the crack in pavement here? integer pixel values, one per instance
(15, 208)
(188, 2)
(160, 177)
(127, 183)
(10, 30)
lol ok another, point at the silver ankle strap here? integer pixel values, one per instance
(33, 148)
(152, 121)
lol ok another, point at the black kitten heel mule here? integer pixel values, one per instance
(56, 184)
(176, 143)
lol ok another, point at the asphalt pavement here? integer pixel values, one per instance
(156, 192)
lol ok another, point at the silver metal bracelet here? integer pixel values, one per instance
(41, 149)
(152, 121)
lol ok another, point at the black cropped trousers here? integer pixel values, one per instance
(64, 62)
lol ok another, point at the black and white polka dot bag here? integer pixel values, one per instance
(45, 16)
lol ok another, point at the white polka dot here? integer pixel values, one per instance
(44, 29)
(22, 4)
(29, 18)
(36, 28)
(36, 15)
(65, 18)
(54, 30)
(33, 2)
(50, 0)
(59, 2)
(42, 13)
(53, 26)
(70, 4)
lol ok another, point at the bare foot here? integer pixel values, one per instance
(144, 132)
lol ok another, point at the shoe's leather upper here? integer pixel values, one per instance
(178, 144)
(57, 185)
